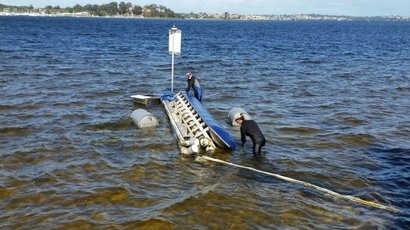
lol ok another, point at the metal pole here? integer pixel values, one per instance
(173, 30)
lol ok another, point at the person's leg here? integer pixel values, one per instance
(198, 93)
(257, 149)
(257, 146)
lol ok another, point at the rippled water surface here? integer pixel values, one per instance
(331, 97)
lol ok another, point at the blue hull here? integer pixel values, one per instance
(222, 138)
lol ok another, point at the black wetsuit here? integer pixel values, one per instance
(194, 84)
(251, 129)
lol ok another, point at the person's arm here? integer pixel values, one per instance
(190, 84)
(243, 137)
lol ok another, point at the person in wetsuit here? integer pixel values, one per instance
(194, 84)
(251, 129)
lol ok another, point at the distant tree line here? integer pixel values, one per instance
(110, 9)
(159, 11)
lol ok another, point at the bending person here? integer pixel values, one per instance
(192, 82)
(251, 129)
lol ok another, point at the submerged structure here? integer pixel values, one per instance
(195, 128)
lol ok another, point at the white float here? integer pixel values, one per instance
(235, 113)
(144, 119)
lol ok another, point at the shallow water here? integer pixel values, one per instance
(330, 97)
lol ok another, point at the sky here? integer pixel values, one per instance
(279, 7)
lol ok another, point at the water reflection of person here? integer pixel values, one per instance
(194, 84)
(251, 129)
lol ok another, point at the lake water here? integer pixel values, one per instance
(332, 99)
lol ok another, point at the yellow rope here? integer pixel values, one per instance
(352, 198)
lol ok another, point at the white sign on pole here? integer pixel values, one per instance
(174, 41)
(174, 47)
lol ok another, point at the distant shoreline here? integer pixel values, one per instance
(130, 10)
(299, 17)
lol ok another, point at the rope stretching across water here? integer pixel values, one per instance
(352, 198)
